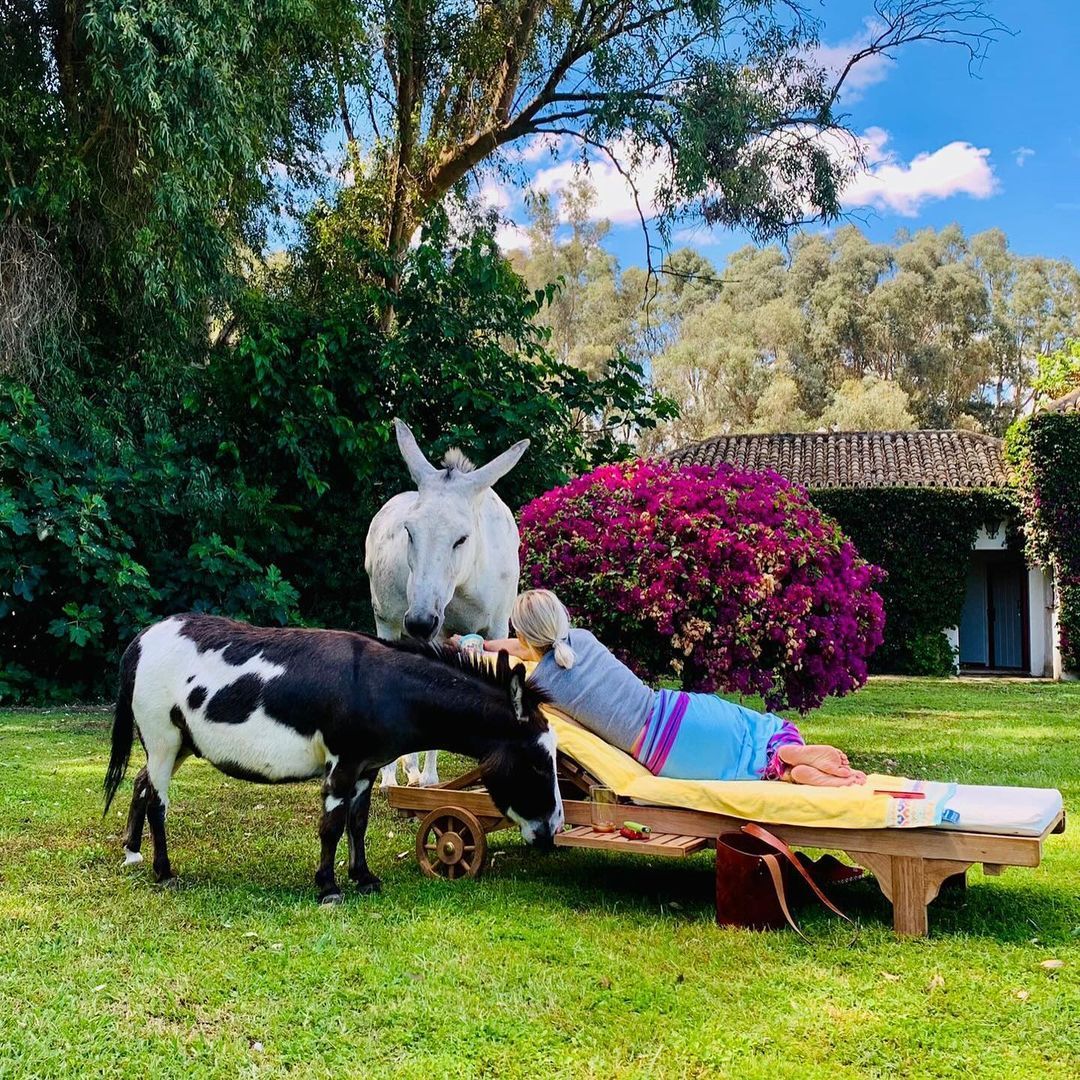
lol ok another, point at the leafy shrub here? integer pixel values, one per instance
(930, 653)
(922, 538)
(723, 579)
(244, 482)
(1044, 451)
(74, 584)
(310, 390)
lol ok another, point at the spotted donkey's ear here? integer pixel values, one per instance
(502, 667)
(517, 691)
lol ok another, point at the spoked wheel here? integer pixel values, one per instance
(451, 844)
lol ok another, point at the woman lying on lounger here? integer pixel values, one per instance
(672, 733)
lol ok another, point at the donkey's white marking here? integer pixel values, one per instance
(551, 742)
(443, 559)
(131, 858)
(259, 744)
(332, 802)
(554, 823)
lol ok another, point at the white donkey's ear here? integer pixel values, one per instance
(420, 469)
(498, 467)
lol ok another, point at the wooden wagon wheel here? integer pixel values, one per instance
(451, 843)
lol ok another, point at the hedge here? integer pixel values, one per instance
(1044, 451)
(923, 538)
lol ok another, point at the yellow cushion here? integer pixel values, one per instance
(754, 800)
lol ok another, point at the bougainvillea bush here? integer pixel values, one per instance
(1044, 451)
(722, 579)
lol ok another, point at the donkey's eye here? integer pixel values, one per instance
(460, 540)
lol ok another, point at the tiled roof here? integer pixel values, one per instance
(1069, 403)
(861, 459)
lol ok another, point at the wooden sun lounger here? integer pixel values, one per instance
(910, 865)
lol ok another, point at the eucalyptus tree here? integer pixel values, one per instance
(729, 100)
(142, 148)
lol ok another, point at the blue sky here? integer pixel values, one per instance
(1000, 147)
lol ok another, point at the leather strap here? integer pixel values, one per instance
(772, 863)
(777, 874)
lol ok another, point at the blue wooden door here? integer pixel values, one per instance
(1006, 612)
(974, 636)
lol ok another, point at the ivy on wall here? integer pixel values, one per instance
(1044, 451)
(923, 538)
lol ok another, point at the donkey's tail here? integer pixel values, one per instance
(123, 732)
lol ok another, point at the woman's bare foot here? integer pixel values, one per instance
(814, 777)
(826, 759)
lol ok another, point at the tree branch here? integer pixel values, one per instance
(905, 22)
(343, 105)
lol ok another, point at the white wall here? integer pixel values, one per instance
(952, 636)
(1040, 623)
(990, 540)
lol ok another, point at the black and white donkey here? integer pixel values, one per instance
(280, 705)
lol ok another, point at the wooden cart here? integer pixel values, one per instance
(910, 865)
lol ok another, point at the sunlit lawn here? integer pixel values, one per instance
(578, 964)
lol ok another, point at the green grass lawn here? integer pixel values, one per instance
(577, 964)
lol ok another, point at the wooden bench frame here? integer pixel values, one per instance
(910, 865)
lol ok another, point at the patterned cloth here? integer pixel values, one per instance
(788, 735)
(704, 737)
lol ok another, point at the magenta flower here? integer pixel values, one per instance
(718, 578)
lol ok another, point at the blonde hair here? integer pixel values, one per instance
(541, 621)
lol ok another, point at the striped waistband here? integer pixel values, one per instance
(657, 737)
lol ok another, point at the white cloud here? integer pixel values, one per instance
(697, 236)
(868, 72)
(1021, 154)
(495, 196)
(537, 148)
(614, 194)
(887, 183)
(498, 197)
(511, 237)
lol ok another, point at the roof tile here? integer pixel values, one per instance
(861, 459)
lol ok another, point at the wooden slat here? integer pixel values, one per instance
(662, 844)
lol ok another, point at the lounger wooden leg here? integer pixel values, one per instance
(909, 896)
(911, 883)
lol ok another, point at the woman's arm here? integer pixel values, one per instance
(511, 645)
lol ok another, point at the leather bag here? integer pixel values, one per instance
(757, 878)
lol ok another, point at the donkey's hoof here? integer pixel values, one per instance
(415, 780)
(171, 882)
(330, 899)
(368, 885)
(132, 858)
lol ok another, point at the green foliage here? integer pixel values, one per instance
(1059, 372)
(923, 538)
(1044, 452)
(98, 535)
(313, 388)
(868, 404)
(139, 139)
(936, 329)
(251, 484)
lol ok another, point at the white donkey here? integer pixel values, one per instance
(443, 559)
